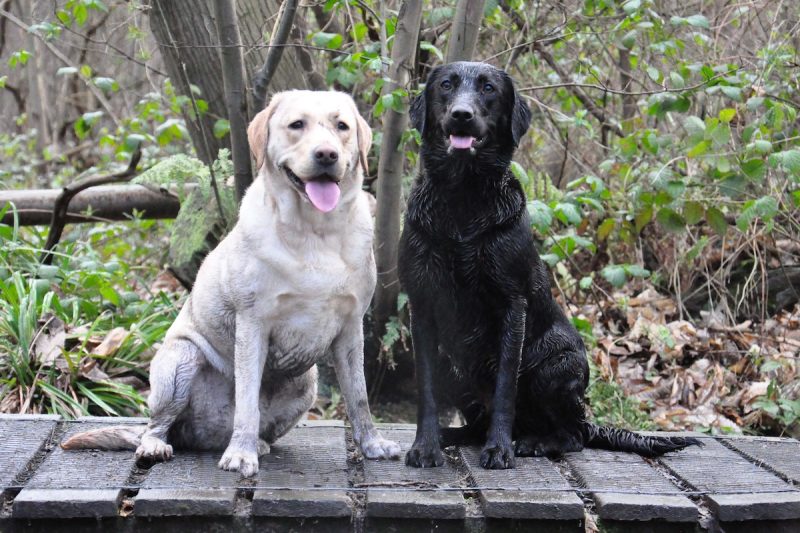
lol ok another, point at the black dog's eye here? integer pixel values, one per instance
(488, 88)
(296, 125)
(341, 126)
(446, 85)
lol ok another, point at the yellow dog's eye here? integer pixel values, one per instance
(341, 126)
(296, 125)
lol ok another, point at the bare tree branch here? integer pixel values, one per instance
(280, 35)
(64, 59)
(61, 206)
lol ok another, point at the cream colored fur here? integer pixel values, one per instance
(288, 286)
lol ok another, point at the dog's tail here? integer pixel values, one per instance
(622, 440)
(110, 438)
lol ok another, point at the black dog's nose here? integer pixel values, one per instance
(326, 155)
(462, 113)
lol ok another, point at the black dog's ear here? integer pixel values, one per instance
(417, 112)
(520, 112)
(520, 119)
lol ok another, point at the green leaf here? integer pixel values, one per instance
(631, 6)
(677, 80)
(695, 127)
(654, 74)
(720, 135)
(760, 146)
(698, 21)
(670, 220)
(734, 93)
(541, 215)
(429, 47)
(790, 160)
(693, 212)
(65, 71)
(643, 218)
(764, 208)
(636, 271)
(132, 141)
(629, 39)
(332, 41)
(106, 84)
(585, 282)
(699, 149)
(605, 228)
(754, 168)
(615, 275)
(568, 213)
(519, 173)
(727, 114)
(221, 128)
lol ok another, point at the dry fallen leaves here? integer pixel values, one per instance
(694, 374)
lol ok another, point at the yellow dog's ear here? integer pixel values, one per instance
(364, 136)
(258, 131)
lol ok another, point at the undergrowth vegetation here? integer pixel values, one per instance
(662, 171)
(76, 336)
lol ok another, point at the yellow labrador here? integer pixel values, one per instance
(288, 285)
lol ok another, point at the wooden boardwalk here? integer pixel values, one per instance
(314, 480)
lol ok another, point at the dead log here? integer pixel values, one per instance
(106, 202)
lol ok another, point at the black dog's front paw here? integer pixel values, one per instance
(497, 456)
(424, 456)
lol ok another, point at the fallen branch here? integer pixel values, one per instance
(106, 203)
(61, 206)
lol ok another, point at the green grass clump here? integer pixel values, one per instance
(98, 282)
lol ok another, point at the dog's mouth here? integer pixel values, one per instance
(465, 142)
(322, 191)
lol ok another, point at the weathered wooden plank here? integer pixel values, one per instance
(77, 483)
(625, 487)
(305, 475)
(22, 437)
(190, 484)
(737, 489)
(395, 490)
(780, 455)
(534, 489)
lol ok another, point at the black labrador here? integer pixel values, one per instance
(488, 335)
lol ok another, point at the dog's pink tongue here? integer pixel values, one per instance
(323, 194)
(461, 143)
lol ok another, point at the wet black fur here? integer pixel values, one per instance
(481, 307)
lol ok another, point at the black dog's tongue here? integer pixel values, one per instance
(461, 143)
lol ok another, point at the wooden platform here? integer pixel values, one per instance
(314, 479)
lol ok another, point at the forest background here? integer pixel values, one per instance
(662, 171)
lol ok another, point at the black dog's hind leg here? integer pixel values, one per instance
(553, 423)
(426, 451)
(498, 452)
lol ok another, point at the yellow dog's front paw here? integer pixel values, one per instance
(380, 448)
(245, 462)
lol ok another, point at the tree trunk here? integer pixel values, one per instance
(235, 93)
(186, 34)
(464, 32)
(187, 38)
(390, 166)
